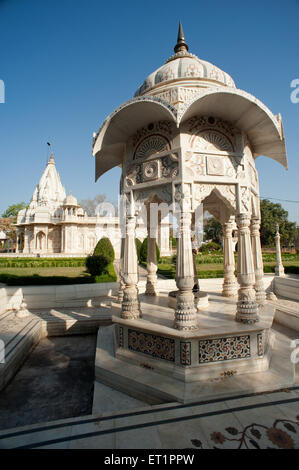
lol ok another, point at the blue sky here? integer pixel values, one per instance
(67, 64)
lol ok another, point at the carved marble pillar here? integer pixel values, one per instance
(18, 240)
(257, 261)
(151, 266)
(247, 310)
(196, 287)
(229, 288)
(121, 281)
(185, 313)
(279, 269)
(130, 304)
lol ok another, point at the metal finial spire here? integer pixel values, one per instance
(181, 45)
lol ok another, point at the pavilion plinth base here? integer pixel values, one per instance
(201, 300)
(150, 360)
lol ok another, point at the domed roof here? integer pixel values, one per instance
(70, 200)
(185, 67)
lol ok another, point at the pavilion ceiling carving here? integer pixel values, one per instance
(165, 166)
(212, 134)
(220, 165)
(153, 138)
(150, 145)
(226, 192)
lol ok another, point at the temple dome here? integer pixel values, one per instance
(70, 200)
(185, 69)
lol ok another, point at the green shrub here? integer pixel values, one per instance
(138, 248)
(143, 252)
(104, 247)
(96, 264)
(173, 241)
(291, 269)
(211, 246)
(108, 275)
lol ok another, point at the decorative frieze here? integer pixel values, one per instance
(165, 167)
(260, 344)
(185, 353)
(224, 349)
(153, 345)
(121, 337)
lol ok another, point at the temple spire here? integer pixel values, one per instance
(52, 159)
(181, 45)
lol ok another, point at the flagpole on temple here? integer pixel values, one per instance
(49, 148)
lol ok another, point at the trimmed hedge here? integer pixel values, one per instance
(287, 269)
(104, 247)
(108, 275)
(41, 262)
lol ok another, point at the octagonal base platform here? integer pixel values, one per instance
(201, 299)
(149, 358)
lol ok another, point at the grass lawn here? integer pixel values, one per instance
(55, 271)
(213, 270)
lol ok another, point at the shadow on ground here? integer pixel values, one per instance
(55, 382)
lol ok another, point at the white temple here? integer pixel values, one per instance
(54, 223)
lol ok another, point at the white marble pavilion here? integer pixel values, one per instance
(190, 136)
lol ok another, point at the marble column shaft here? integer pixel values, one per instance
(130, 303)
(185, 313)
(247, 310)
(279, 269)
(229, 287)
(121, 281)
(151, 266)
(257, 261)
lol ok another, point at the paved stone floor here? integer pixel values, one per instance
(267, 420)
(55, 382)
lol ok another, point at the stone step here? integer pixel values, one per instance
(287, 287)
(19, 341)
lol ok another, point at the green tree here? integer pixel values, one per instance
(213, 230)
(271, 214)
(13, 210)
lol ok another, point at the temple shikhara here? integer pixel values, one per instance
(54, 223)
